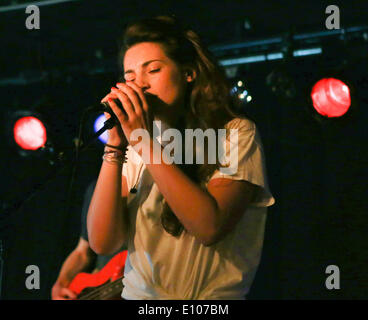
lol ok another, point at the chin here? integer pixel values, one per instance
(166, 111)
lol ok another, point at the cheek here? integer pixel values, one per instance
(170, 88)
(178, 86)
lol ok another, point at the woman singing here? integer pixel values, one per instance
(193, 230)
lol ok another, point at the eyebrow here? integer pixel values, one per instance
(143, 65)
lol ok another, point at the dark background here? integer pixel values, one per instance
(316, 168)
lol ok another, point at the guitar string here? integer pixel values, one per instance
(89, 296)
(111, 293)
(96, 293)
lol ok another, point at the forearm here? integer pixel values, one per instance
(105, 223)
(195, 208)
(75, 263)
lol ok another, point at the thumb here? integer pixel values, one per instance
(107, 115)
(67, 293)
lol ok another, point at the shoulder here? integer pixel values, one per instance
(244, 128)
(240, 123)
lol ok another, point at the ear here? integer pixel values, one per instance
(190, 74)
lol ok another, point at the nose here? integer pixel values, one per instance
(141, 82)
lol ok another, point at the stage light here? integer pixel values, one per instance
(29, 133)
(99, 122)
(241, 94)
(331, 97)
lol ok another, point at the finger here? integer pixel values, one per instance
(107, 115)
(133, 96)
(125, 101)
(148, 112)
(106, 99)
(109, 95)
(140, 94)
(120, 114)
(67, 293)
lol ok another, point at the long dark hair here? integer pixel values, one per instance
(209, 103)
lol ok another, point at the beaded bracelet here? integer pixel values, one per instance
(114, 156)
(108, 158)
(114, 153)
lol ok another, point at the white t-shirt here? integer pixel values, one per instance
(160, 266)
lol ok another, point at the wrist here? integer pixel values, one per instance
(114, 155)
(116, 142)
(116, 147)
(62, 283)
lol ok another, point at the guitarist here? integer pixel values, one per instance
(81, 259)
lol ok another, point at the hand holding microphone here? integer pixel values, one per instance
(115, 134)
(130, 106)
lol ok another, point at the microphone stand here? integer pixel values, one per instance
(12, 208)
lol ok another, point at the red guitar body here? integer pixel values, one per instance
(103, 285)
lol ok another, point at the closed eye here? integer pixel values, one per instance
(122, 78)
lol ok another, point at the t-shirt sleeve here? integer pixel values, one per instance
(87, 199)
(246, 159)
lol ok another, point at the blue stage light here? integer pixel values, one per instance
(99, 122)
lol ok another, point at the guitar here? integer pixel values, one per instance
(106, 284)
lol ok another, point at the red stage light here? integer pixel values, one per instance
(331, 97)
(29, 133)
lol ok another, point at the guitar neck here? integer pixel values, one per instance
(107, 291)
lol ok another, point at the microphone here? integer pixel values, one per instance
(113, 120)
(105, 107)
